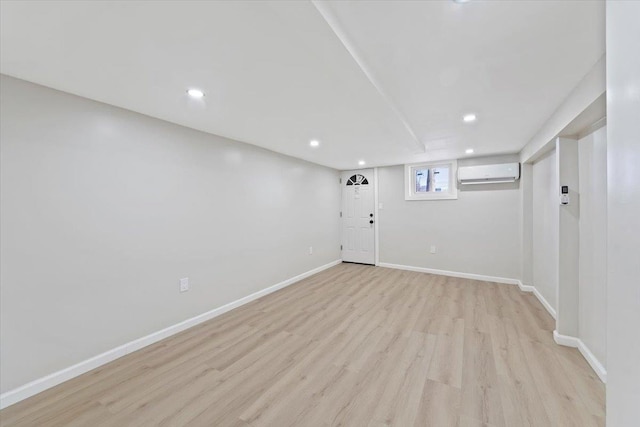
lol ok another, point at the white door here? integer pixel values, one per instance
(358, 203)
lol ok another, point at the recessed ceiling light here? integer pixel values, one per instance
(195, 93)
(362, 162)
(469, 151)
(469, 118)
(314, 143)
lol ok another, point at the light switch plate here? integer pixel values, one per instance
(184, 284)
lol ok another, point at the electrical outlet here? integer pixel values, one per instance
(433, 249)
(184, 284)
(310, 250)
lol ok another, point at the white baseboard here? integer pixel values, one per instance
(574, 342)
(543, 301)
(559, 339)
(566, 340)
(523, 288)
(44, 383)
(452, 273)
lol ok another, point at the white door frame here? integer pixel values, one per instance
(374, 180)
(376, 223)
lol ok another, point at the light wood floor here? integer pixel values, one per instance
(351, 346)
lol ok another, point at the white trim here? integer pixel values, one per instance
(51, 380)
(410, 182)
(593, 361)
(543, 301)
(376, 224)
(525, 288)
(559, 339)
(509, 281)
(452, 273)
(565, 340)
(574, 342)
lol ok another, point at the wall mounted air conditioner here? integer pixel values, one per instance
(489, 174)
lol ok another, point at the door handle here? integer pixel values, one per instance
(370, 221)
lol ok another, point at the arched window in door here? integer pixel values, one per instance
(357, 179)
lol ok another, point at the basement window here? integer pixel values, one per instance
(431, 181)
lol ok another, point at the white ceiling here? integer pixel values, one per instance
(383, 81)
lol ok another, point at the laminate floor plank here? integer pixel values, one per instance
(353, 345)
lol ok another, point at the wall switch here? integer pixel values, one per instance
(184, 284)
(310, 250)
(433, 249)
(380, 205)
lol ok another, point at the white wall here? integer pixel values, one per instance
(103, 210)
(623, 212)
(478, 233)
(526, 223)
(545, 227)
(592, 308)
(568, 262)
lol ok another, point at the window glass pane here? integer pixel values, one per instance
(422, 180)
(431, 181)
(440, 180)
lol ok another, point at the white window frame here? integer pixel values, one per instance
(410, 181)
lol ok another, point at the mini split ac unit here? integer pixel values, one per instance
(489, 174)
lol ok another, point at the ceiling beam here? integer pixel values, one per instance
(332, 21)
(586, 92)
